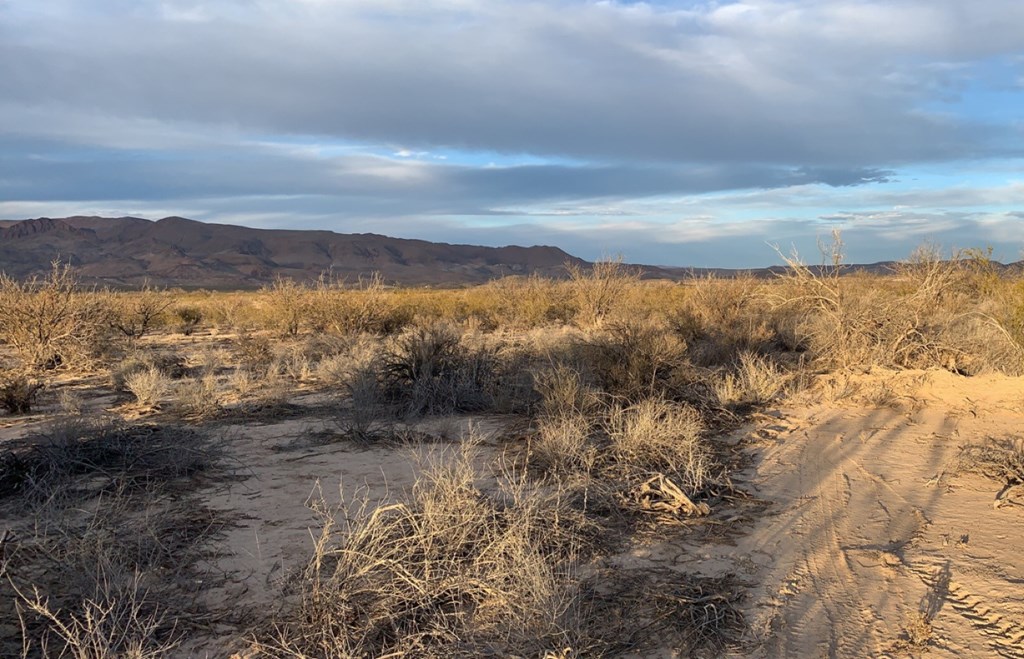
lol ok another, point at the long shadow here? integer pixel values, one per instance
(870, 453)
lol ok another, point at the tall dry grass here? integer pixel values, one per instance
(450, 571)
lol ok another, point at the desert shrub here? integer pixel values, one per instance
(18, 392)
(225, 310)
(634, 358)
(527, 302)
(48, 462)
(103, 564)
(598, 289)
(254, 352)
(122, 620)
(451, 571)
(722, 317)
(189, 317)
(429, 370)
(285, 305)
(132, 315)
(852, 321)
(366, 307)
(934, 311)
(49, 322)
(1001, 460)
(149, 386)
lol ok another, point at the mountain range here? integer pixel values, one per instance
(129, 252)
(175, 251)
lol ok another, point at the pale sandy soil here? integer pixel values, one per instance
(870, 527)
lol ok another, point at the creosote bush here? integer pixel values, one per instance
(430, 369)
(135, 314)
(599, 289)
(49, 322)
(932, 312)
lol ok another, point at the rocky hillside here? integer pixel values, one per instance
(174, 251)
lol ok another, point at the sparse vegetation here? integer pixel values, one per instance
(97, 563)
(610, 391)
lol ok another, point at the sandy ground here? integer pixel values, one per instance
(870, 529)
(862, 527)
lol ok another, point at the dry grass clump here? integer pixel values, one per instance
(457, 570)
(656, 436)
(756, 381)
(170, 364)
(198, 398)
(562, 445)
(1001, 460)
(564, 392)
(149, 386)
(339, 366)
(452, 571)
(18, 392)
(917, 631)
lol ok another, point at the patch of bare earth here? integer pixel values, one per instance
(874, 543)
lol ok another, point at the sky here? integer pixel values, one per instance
(674, 133)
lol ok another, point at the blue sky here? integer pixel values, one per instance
(677, 133)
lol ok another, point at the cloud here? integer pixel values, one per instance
(823, 83)
(691, 132)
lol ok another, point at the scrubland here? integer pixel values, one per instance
(598, 465)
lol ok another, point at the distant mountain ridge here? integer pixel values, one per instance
(176, 251)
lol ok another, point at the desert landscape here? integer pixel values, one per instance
(814, 462)
(560, 329)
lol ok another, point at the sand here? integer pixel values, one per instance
(871, 529)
